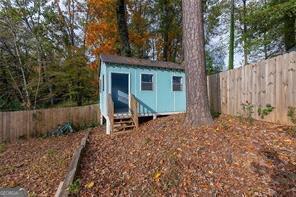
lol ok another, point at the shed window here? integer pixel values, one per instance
(147, 82)
(177, 83)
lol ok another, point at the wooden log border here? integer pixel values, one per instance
(62, 190)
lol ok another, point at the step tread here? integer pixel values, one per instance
(127, 121)
(123, 128)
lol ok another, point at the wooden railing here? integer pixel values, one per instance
(111, 111)
(134, 110)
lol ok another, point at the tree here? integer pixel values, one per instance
(198, 110)
(122, 28)
(168, 31)
(139, 32)
(231, 37)
(36, 38)
(245, 29)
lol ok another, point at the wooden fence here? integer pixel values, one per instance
(24, 124)
(271, 81)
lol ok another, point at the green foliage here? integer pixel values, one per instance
(292, 114)
(43, 62)
(269, 25)
(215, 114)
(51, 152)
(74, 187)
(74, 80)
(248, 111)
(212, 65)
(2, 148)
(6, 104)
(264, 111)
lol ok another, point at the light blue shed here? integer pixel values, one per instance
(131, 88)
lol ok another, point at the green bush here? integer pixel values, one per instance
(2, 148)
(248, 110)
(264, 111)
(74, 187)
(292, 114)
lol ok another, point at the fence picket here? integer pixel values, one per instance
(271, 81)
(14, 125)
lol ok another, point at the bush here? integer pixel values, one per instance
(74, 187)
(264, 111)
(292, 114)
(2, 148)
(248, 110)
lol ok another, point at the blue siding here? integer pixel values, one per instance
(162, 100)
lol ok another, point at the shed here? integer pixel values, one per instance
(131, 88)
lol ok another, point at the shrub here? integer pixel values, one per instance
(215, 114)
(292, 114)
(2, 148)
(74, 187)
(248, 110)
(264, 111)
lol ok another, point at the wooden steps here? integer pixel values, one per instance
(123, 124)
(125, 121)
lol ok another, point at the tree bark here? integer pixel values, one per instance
(245, 29)
(198, 110)
(166, 31)
(122, 28)
(231, 38)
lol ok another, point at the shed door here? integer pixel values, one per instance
(120, 92)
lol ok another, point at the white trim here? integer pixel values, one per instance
(160, 114)
(129, 85)
(148, 114)
(156, 90)
(174, 93)
(147, 73)
(135, 78)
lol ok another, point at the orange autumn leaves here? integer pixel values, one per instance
(102, 33)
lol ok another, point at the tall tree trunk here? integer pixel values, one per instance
(198, 110)
(231, 38)
(165, 31)
(122, 28)
(245, 29)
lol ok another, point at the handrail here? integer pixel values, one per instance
(134, 110)
(111, 111)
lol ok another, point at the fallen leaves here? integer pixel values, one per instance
(157, 176)
(162, 157)
(38, 165)
(89, 185)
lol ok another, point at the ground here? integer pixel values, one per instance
(228, 158)
(38, 165)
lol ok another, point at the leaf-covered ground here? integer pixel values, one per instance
(229, 158)
(38, 165)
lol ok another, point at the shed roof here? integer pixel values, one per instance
(115, 59)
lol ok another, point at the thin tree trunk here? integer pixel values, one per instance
(231, 40)
(265, 46)
(198, 110)
(245, 29)
(166, 31)
(25, 87)
(122, 28)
